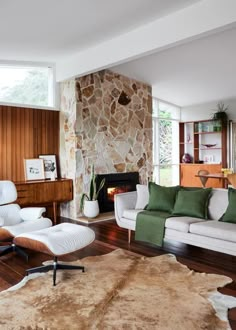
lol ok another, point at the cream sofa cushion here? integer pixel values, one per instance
(142, 196)
(218, 203)
(181, 223)
(216, 229)
(131, 214)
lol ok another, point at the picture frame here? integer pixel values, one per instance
(50, 166)
(34, 169)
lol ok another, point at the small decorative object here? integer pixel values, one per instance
(208, 159)
(227, 171)
(50, 166)
(89, 202)
(209, 145)
(187, 158)
(188, 138)
(34, 169)
(200, 127)
(220, 114)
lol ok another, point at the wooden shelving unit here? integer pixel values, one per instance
(192, 136)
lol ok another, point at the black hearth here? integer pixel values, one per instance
(115, 183)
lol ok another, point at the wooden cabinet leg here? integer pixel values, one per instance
(54, 213)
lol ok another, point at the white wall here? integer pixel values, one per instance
(204, 111)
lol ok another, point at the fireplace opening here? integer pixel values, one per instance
(115, 183)
(112, 191)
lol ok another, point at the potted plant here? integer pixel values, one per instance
(89, 202)
(220, 114)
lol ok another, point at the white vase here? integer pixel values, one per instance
(91, 209)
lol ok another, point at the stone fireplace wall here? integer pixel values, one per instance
(106, 120)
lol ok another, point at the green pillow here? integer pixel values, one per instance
(230, 214)
(192, 203)
(190, 188)
(161, 198)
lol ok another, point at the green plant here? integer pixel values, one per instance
(220, 113)
(93, 190)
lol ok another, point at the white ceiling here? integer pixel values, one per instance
(199, 71)
(48, 30)
(192, 61)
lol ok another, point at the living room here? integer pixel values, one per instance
(103, 83)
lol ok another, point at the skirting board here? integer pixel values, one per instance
(101, 217)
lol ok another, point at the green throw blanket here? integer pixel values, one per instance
(150, 226)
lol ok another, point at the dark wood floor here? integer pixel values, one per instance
(109, 237)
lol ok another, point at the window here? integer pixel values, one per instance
(27, 85)
(166, 119)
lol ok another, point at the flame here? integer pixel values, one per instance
(112, 191)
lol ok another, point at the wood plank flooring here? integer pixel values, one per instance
(109, 237)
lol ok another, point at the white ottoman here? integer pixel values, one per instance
(56, 241)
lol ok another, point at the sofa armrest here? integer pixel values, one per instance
(123, 202)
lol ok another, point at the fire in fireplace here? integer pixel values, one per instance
(115, 183)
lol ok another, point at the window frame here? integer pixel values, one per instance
(156, 117)
(52, 83)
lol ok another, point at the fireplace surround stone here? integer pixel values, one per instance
(106, 120)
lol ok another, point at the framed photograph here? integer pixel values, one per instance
(50, 165)
(34, 169)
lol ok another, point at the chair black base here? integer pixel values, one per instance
(55, 266)
(13, 248)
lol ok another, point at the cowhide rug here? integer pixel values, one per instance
(118, 291)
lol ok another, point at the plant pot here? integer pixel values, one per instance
(91, 209)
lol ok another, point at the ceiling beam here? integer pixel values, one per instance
(203, 18)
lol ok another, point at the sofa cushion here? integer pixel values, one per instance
(161, 198)
(142, 196)
(218, 203)
(131, 214)
(192, 203)
(230, 214)
(216, 229)
(181, 223)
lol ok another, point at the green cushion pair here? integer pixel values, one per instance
(178, 201)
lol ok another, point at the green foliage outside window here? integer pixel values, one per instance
(33, 89)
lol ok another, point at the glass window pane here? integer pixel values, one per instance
(165, 143)
(168, 141)
(26, 85)
(169, 175)
(169, 111)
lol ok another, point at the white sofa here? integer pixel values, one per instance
(210, 234)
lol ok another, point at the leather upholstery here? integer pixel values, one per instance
(11, 221)
(8, 193)
(58, 240)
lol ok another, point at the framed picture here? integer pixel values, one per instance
(50, 165)
(34, 169)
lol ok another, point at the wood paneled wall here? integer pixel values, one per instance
(25, 133)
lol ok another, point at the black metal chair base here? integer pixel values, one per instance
(55, 266)
(13, 248)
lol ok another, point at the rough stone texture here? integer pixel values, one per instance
(106, 120)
